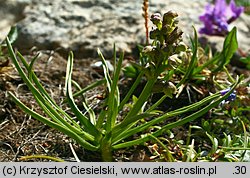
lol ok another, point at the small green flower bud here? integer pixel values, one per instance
(154, 33)
(175, 22)
(170, 89)
(149, 70)
(166, 29)
(158, 87)
(158, 44)
(174, 36)
(168, 17)
(174, 61)
(148, 49)
(156, 18)
(167, 48)
(182, 47)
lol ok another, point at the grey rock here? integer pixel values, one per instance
(85, 25)
(81, 26)
(11, 11)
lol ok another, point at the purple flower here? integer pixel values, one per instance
(231, 97)
(217, 17)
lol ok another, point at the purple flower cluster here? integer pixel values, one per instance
(217, 17)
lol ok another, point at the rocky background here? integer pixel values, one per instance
(85, 25)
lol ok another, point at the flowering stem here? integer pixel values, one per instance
(131, 90)
(105, 148)
(137, 107)
(145, 15)
(142, 98)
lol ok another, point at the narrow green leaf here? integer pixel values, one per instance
(214, 143)
(48, 108)
(101, 117)
(126, 133)
(139, 104)
(86, 106)
(44, 100)
(246, 61)
(31, 65)
(24, 158)
(227, 140)
(234, 148)
(87, 88)
(130, 71)
(131, 90)
(146, 92)
(187, 119)
(88, 126)
(52, 124)
(12, 35)
(114, 55)
(33, 78)
(169, 156)
(130, 121)
(190, 151)
(207, 63)
(155, 105)
(229, 47)
(114, 98)
(105, 70)
(90, 112)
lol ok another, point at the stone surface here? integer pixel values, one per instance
(11, 11)
(85, 25)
